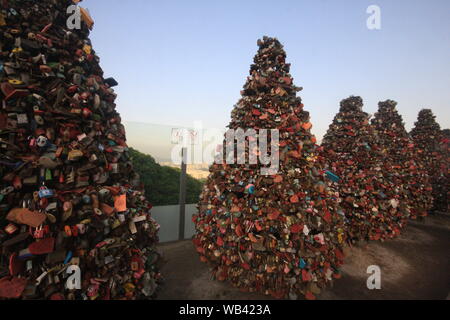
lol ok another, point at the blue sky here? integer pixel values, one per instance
(181, 61)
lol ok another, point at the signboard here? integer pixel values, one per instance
(185, 136)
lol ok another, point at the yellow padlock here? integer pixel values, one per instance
(115, 224)
(94, 297)
(87, 49)
(15, 81)
(129, 287)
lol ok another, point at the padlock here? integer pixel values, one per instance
(32, 142)
(42, 141)
(45, 193)
(11, 228)
(39, 232)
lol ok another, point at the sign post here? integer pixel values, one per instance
(182, 194)
(183, 137)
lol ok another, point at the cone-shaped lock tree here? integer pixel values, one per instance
(74, 223)
(402, 157)
(443, 201)
(370, 199)
(429, 139)
(279, 234)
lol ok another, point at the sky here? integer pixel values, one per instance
(183, 61)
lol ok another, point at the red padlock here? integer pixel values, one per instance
(38, 233)
(79, 52)
(74, 231)
(32, 143)
(72, 89)
(68, 231)
(86, 112)
(43, 203)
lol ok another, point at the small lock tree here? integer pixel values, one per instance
(370, 198)
(443, 202)
(281, 233)
(402, 155)
(430, 142)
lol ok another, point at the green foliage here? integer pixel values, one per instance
(162, 184)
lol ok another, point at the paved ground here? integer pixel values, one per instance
(414, 266)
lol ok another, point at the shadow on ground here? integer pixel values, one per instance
(414, 266)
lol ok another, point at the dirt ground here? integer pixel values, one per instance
(414, 266)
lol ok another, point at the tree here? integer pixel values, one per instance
(280, 234)
(162, 183)
(428, 137)
(396, 146)
(68, 193)
(371, 200)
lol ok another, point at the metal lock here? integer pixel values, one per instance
(45, 193)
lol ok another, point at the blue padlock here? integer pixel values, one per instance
(46, 193)
(332, 176)
(302, 264)
(86, 199)
(68, 257)
(250, 189)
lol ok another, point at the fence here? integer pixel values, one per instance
(168, 218)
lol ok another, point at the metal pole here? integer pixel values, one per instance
(182, 193)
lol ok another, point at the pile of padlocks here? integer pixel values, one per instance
(371, 199)
(400, 153)
(72, 215)
(434, 154)
(444, 203)
(280, 234)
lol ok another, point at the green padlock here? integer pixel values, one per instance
(48, 175)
